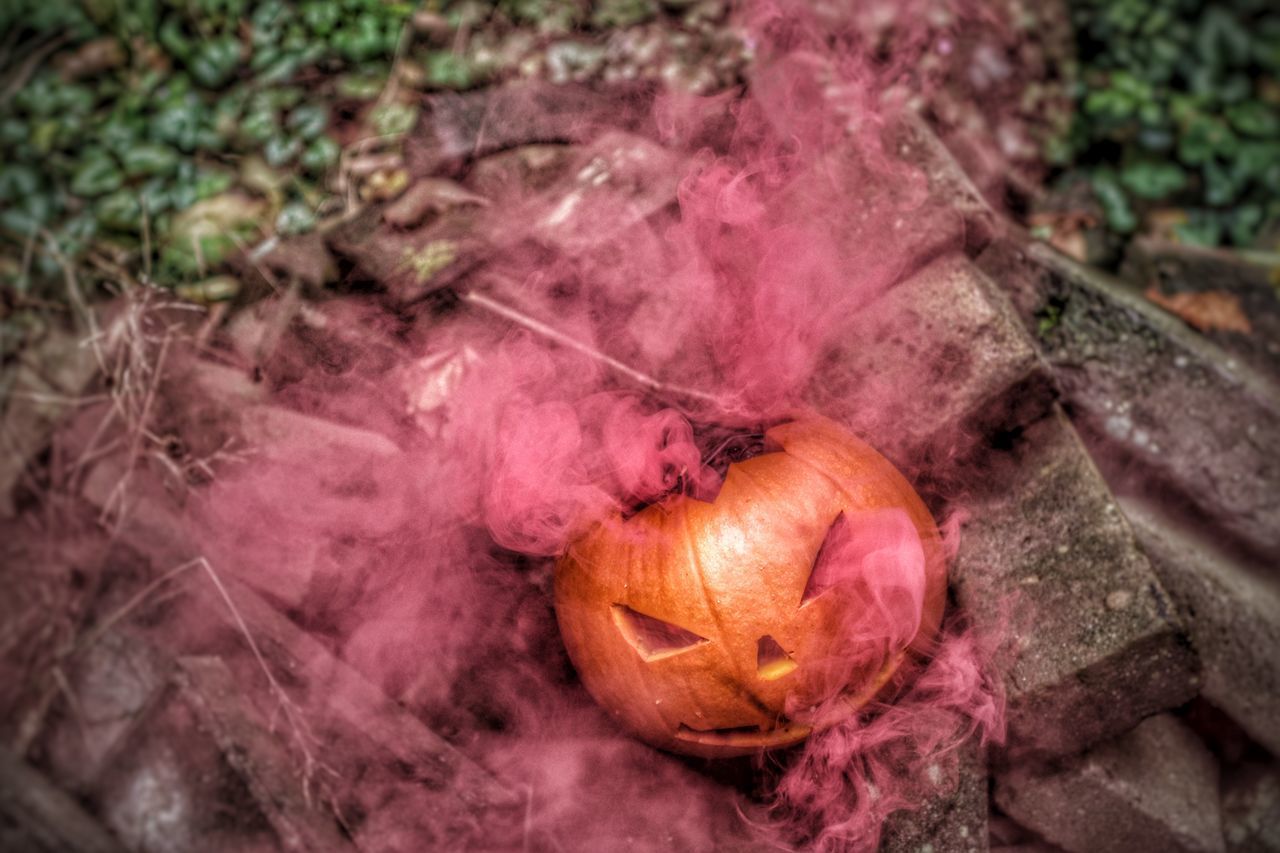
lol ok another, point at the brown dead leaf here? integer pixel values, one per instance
(1208, 310)
(93, 57)
(1065, 231)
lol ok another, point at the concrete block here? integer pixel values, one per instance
(1167, 413)
(38, 817)
(1251, 808)
(168, 787)
(116, 683)
(1154, 788)
(1247, 279)
(287, 787)
(1232, 612)
(36, 394)
(1047, 553)
(952, 818)
(934, 363)
(383, 758)
(456, 128)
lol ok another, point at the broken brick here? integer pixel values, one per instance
(454, 128)
(1155, 788)
(1251, 807)
(953, 816)
(1175, 269)
(1098, 644)
(1233, 615)
(38, 817)
(1167, 413)
(937, 361)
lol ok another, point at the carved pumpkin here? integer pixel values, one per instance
(782, 606)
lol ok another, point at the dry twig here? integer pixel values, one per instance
(538, 327)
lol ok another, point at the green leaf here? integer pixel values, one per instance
(1202, 138)
(261, 123)
(309, 120)
(394, 118)
(295, 218)
(17, 181)
(1203, 228)
(180, 122)
(280, 150)
(120, 211)
(97, 174)
(149, 159)
(1254, 118)
(1253, 159)
(210, 183)
(320, 155)
(281, 68)
(173, 39)
(447, 70)
(1114, 202)
(1220, 186)
(1244, 222)
(215, 62)
(1153, 179)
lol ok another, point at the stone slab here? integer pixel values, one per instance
(1232, 612)
(1047, 555)
(36, 394)
(453, 129)
(1249, 278)
(1251, 807)
(1167, 413)
(38, 817)
(950, 188)
(934, 364)
(952, 818)
(168, 787)
(1155, 788)
(288, 790)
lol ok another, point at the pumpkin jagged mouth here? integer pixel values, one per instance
(752, 737)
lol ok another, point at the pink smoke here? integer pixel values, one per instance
(418, 535)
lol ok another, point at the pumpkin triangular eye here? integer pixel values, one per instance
(653, 638)
(824, 573)
(772, 661)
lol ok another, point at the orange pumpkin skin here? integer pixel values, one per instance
(731, 575)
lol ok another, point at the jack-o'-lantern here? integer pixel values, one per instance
(725, 627)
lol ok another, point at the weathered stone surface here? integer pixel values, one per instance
(1167, 413)
(953, 818)
(280, 781)
(1251, 808)
(614, 183)
(610, 185)
(1155, 788)
(168, 788)
(116, 682)
(454, 128)
(1250, 279)
(419, 785)
(1232, 613)
(38, 817)
(936, 362)
(950, 188)
(291, 760)
(412, 262)
(35, 394)
(607, 793)
(1047, 553)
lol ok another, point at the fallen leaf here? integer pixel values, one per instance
(1207, 310)
(92, 57)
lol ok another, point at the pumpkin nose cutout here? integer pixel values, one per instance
(772, 661)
